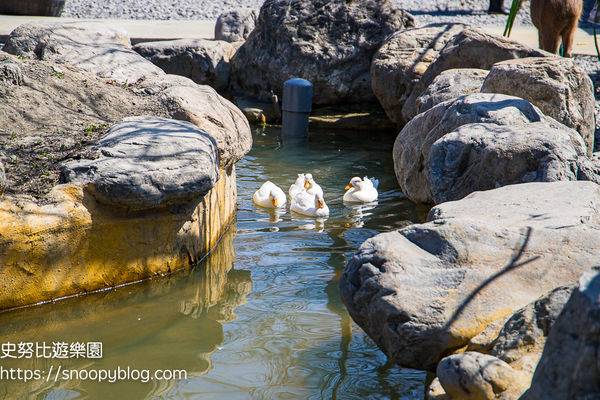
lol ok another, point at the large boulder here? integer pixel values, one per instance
(149, 162)
(570, 364)
(424, 291)
(235, 25)
(471, 48)
(329, 43)
(206, 62)
(449, 85)
(101, 232)
(92, 46)
(402, 60)
(485, 156)
(556, 85)
(415, 165)
(88, 105)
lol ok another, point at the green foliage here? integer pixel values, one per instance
(514, 9)
(88, 129)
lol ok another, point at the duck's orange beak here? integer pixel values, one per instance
(275, 202)
(348, 187)
(306, 184)
(321, 203)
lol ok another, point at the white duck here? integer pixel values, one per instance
(297, 186)
(311, 186)
(361, 190)
(310, 204)
(269, 196)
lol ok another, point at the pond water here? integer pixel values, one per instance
(260, 318)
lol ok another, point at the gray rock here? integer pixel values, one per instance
(206, 62)
(414, 142)
(401, 62)
(92, 46)
(235, 25)
(570, 364)
(205, 108)
(149, 162)
(476, 376)
(426, 290)
(329, 43)
(486, 156)
(11, 73)
(556, 85)
(472, 48)
(449, 85)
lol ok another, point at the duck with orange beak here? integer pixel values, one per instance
(361, 190)
(269, 196)
(310, 205)
(311, 186)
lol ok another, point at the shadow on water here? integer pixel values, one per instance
(173, 322)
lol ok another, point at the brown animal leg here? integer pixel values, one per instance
(549, 40)
(568, 35)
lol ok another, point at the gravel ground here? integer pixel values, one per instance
(466, 11)
(472, 12)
